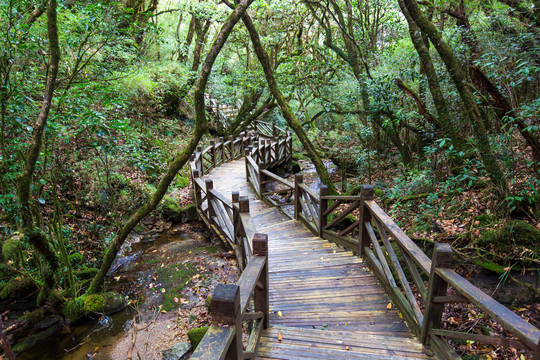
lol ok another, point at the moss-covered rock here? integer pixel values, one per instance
(191, 212)
(196, 335)
(94, 303)
(515, 232)
(172, 211)
(114, 302)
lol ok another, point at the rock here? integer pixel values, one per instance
(114, 302)
(177, 352)
(106, 303)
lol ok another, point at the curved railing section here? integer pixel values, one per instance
(246, 301)
(419, 286)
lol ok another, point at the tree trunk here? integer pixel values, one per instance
(285, 108)
(180, 160)
(34, 235)
(449, 129)
(471, 110)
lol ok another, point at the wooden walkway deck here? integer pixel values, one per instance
(324, 301)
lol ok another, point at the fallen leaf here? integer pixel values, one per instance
(163, 290)
(346, 347)
(279, 337)
(389, 306)
(279, 314)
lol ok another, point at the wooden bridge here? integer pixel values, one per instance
(339, 280)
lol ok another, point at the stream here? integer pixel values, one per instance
(166, 278)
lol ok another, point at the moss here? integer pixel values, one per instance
(190, 212)
(12, 247)
(296, 156)
(74, 308)
(18, 287)
(94, 304)
(76, 258)
(174, 278)
(86, 273)
(196, 335)
(490, 266)
(515, 232)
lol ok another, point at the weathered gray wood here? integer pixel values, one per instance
(405, 242)
(225, 307)
(401, 275)
(442, 258)
(323, 206)
(298, 179)
(215, 343)
(380, 255)
(262, 295)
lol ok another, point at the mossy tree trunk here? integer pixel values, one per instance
(181, 158)
(443, 115)
(291, 119)
(33, 234)
(472, 112)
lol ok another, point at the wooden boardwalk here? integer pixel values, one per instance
(324, 302)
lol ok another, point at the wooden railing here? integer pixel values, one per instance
(247, 301)
(419, 286)
(234, 305)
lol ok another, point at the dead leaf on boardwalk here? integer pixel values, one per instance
(389, 306)
(279, 337)
(346, 347)
(279, 314)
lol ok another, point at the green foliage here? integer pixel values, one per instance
(196, 335)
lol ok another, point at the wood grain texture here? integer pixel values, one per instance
(324, 300)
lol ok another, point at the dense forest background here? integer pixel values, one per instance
(436, 103)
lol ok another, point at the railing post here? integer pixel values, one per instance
(199, 150)
(323, 206)
(262, 154)
(364, 217)
(222, 141)
(196, 190)
(243, 204)
(225, 305)
(235, 196)
(213, 152)
(231, 139)
(211, 211)
(261, 179)
(262, 302)
(537, 351)
(298, 179)
(256, 153)
(442, 258)
(274, 132)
